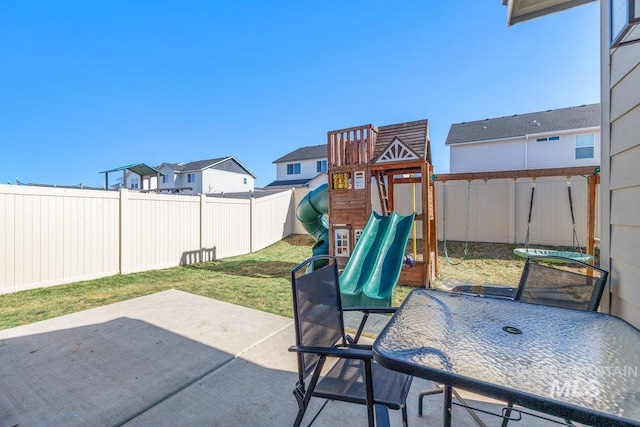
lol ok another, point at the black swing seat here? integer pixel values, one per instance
(320, 335)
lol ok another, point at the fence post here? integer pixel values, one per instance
(251, 224)
(292, 212)
(125, 231)
(203, 200)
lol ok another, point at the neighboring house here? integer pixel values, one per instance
(546, 139)
(619, 176)
(303, 167)
(220, 175)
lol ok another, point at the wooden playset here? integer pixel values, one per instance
(385, 156)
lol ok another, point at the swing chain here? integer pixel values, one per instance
(575, 242)
(533, 191)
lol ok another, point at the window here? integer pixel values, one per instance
(342, 242)
(134, 183)
(624, 16)
(585, 146)
(356, 236)
(244, 180)
(321, 166)
(551, 138)
(164, 179)
(191, 177)
(293, 169)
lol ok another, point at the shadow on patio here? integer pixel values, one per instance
(171, 358)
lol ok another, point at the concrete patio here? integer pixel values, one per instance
(169, 359)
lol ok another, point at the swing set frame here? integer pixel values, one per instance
(591, 173)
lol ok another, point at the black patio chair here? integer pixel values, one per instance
(548, 280)
(570, 283)
(320, 334)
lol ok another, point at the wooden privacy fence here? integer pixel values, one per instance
(51, 236)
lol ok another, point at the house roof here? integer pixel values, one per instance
(217, 163)
(255, 194)
(414, 135)
(289, 183)
(584, 116)
(174, 166)
(523, 10)
(305, 153)
(199, 165)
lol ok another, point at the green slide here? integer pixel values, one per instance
(312, 214)
(373, 270)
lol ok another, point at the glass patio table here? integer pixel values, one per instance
(578, 365)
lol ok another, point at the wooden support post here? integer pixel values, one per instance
(426, 224)
(433, 215)
(390, 192)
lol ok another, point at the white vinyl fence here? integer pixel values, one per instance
(499, 209)
(51, 236)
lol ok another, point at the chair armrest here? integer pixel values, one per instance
(371, 309)
(344, 352)
(361, 346)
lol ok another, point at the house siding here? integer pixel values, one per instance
(308, 169)
(230, 166)
(182, 178)
(620, 173)
(220, 181)
(487, 156)
(171, 177)
(522, 153)
(560, 153)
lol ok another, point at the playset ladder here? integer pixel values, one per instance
(383, 193)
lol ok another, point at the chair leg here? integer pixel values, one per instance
(368, 378)
(370, 414)
(298, 392)
(506, 414)
(303, 394)
(424, 393)
(299, 417)
(448, 401)
(405, 422)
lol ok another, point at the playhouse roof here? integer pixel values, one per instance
(414, 134)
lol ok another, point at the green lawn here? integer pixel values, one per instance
(259, 280)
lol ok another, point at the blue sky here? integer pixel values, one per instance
(92, 85)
